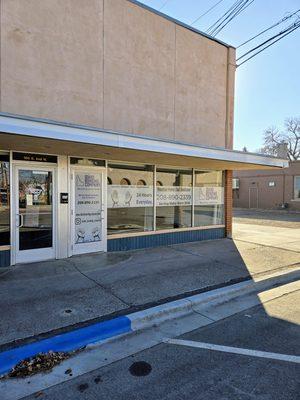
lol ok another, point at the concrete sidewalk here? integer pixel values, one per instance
(43, 297)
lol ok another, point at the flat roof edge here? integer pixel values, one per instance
(178, 22)
(84, 134)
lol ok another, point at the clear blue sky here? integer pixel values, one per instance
(267, 87)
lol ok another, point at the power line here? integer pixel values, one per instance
(233, 12)
(223, 16)
(164, 4)
(278, 37)
(236, 8)
(238, 11)
(290, 27)
(206, 12)
(249, 58)
(269, 28)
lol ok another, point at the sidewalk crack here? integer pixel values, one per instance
(197, 312)
(186, 251)
(101, 286)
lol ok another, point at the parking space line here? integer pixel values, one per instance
(234, 350)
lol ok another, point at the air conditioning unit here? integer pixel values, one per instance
(235, 183)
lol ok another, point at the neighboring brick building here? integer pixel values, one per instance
(262, 189)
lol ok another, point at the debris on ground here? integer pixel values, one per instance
(68, 371)
(40, 363)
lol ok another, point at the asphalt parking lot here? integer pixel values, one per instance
(269, 238)
(180, 372)
(270, 218)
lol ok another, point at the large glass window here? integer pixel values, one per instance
(129, 198)
(173, 198)
(4, 200)
(208, 198)
(297, 188)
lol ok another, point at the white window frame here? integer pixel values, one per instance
(295, 179)
(14, 198)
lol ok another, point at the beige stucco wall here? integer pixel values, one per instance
(115, 65)
(51, 53)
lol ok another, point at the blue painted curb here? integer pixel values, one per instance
(69, 341)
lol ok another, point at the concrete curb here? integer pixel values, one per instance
(73, 340)
(159, 314)
(97, 333)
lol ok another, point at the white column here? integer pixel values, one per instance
(63, 210)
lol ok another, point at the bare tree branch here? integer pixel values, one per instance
(291, 136)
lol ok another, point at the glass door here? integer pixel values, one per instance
(87, 214)
(34, 214)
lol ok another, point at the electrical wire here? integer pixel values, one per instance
(295, 26)
(206, 12)
(223, 16)
(269, 28)
(236, 8)
(164, 4)
(241, 9)
(290, 27)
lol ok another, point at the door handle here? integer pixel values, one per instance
(101, 215)
(20, 220)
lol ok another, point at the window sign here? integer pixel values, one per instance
(208, 195)
(130, 201)
(173, 196)
(88, 205)
(271, 184)
(208, 198)
(129, 196)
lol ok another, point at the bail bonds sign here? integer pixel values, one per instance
(208, 195)
(174, 196)
(130, 196)
(87, 207)
(127, 196)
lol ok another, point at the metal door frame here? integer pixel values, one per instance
(33, 255)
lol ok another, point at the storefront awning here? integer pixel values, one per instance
(32, 135)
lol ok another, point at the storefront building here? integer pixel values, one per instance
(116, 131)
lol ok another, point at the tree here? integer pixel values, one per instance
(274, 138)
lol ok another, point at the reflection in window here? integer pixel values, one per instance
(4, 200)
(173, 198)
(208, 198)
(35, 207)
(130, 207)
(297, 187)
